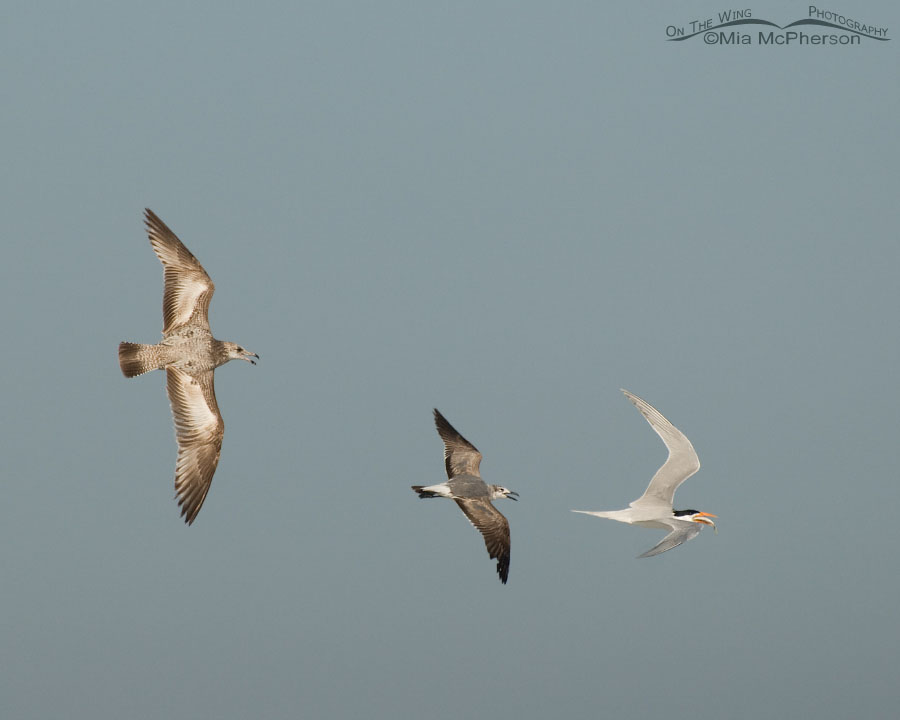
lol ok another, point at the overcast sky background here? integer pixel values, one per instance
(504, 210)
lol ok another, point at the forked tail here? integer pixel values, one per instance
(611, 514)
(137, 358)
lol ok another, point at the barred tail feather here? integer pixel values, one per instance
(137, 358)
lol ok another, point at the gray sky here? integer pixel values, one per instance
(504, 210)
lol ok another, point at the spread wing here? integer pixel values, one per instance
(495, 529)
(678, 467)
(460, 456)
(682, 531)
(199, 430)
(187, 289)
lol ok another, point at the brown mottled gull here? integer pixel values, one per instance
(190, 354)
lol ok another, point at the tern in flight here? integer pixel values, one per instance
(190, 355)
(472, 494)
(653, 509)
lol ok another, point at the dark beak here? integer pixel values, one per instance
(511, 493)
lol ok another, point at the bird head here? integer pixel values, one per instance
(236, 352)
(502, 492)
(696, 516)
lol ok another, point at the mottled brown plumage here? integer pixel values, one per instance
(189, 354)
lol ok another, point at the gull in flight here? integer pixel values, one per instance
(653, 509)
(189, 354)
(471, 493)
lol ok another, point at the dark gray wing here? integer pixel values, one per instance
(495, 529)
(678, 467)
(460, 456)
(682, 531)
(199, 429)
(187, 289)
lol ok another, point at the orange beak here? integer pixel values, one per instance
(700, 517)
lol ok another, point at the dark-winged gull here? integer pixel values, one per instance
(471, 493)
(190, 354)
(653, 509)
